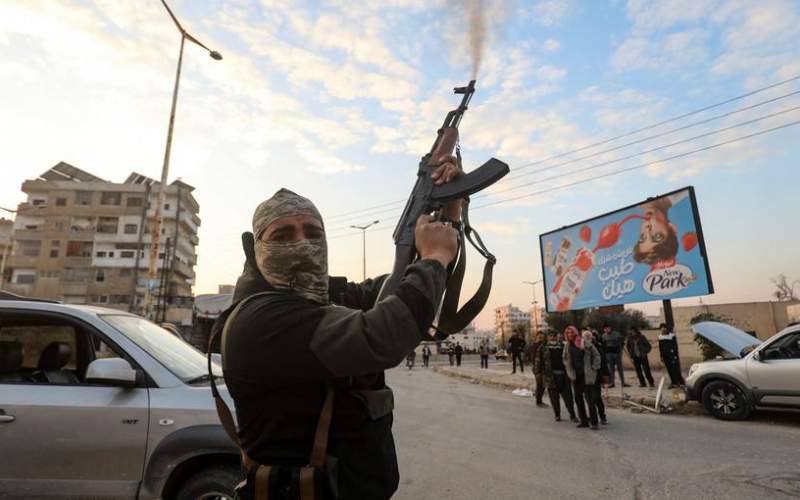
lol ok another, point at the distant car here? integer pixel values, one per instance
(98, 403)
(760, 375)
(501, 354)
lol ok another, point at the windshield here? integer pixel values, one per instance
(177, 356)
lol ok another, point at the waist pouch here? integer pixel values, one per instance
(286, 482)
(377, 402)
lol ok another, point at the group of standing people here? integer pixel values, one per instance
(572, 368)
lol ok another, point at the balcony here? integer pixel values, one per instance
(78, 261)
(182, 269)
(16, 261)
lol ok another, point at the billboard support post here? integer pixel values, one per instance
(668, 319)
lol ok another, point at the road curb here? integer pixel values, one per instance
(612, 399)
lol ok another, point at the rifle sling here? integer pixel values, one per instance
(452, 319)
(320, 447)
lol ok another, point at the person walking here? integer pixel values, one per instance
(516, 345)
(638, 348)
(451, 354)
(483, 350)
(612, 340)
(582, 363)
(426, 355)
(410, 359)
(668, 348)
(459, 352)
(533, 350)
(549, 365)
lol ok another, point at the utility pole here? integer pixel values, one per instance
(7, 250)
(155, 235)
(364, 243)
(533, 291)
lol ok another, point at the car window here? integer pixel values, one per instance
(48, 350)
(786, 347)
(39, 351)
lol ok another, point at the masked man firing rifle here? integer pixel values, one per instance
(306, 376)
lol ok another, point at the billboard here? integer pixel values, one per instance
(653, 250)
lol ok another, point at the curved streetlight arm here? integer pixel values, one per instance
(213, 53)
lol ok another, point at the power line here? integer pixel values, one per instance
(620, 136)
(643, 165)
(615, 160)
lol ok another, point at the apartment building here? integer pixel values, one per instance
(6, 229)
(505, 319)
(84, 240)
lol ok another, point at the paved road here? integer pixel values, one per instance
(462, 441)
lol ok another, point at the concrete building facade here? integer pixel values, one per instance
(505, 319)
(765, 319)
(83, 240)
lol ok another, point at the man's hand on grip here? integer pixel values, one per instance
(435, 240)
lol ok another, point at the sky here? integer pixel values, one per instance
(338, 101)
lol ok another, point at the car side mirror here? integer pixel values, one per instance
(757, 356)
(111, 371)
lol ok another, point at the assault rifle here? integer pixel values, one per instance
(427, 198)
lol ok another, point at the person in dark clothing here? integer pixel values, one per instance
(549, 365)
(582, 361)
(668, 349)
(426, 356)
(638, 348)
(612, 340)
(516, 345)
(285, 347)
(451, 354)
(459, 352)
(533, 350)
(600, 380)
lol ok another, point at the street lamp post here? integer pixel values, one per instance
(364, 244)
(533, 290)
(6, 250)
(155, 234)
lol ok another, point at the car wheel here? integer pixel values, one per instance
(725, 401)
(213, 483)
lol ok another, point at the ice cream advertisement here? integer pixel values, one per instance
(653, 250)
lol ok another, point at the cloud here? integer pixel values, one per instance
(551, 45)
(550, 13)
(676, 50)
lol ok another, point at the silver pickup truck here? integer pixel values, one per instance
(98, 403)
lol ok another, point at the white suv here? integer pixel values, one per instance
(760, 375)
(98, 403)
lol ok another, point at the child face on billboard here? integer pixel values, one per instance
(657, 236)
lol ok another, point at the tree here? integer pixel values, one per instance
(593, 318)
(784, 291)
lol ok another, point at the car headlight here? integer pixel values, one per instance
(693, 369)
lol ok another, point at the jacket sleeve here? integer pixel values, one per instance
(596, 359)
(351, 342)
(362, 295)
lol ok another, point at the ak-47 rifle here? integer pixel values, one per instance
(427, 198)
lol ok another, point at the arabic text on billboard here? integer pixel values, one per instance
(650, 251)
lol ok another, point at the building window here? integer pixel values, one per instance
(166, 206)
(79, 249)
(100, 276)
(108, 225)
(59, 226)
(111, 254)
(131, 229)
(39, 203)
(53, 254)
(61, 202)
(26, 279)
(111, 198)
(29, 248)
(55, 243)
(135, 202)
(100, 255)
(49, 274)
(83, 198)
(125, 272)
(126, 254)
(76, 275)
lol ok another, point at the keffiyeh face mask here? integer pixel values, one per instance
(298, 267)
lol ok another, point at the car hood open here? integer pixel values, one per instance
(727, 337)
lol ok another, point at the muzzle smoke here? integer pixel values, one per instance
(477, 33)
